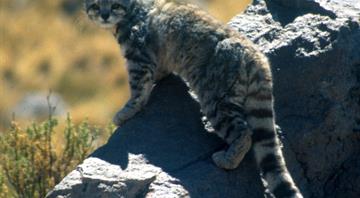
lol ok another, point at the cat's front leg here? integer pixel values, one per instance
(141, 80)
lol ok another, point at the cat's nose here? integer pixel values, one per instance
(105, 16)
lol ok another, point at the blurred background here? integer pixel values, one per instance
(50, 45)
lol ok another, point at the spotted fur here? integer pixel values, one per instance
(231, 78)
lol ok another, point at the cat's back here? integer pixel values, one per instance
(187, 34)
(182, 19)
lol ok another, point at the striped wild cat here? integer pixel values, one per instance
(231, 78)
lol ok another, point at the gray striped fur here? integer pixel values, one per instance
(230, 77)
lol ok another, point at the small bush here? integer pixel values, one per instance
(30, 166)
(3, 188)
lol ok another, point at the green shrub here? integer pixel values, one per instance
(30, 165)
(3, 188)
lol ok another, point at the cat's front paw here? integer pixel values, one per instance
(222, 161)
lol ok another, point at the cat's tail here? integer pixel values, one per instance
(266, 144)
(261, 120)
(272, 165)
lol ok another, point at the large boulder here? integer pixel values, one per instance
(164, 151)
(314, 49)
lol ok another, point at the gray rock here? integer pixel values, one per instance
(165, 151)
(315, 55)
(98, 178)
(167, 141)
(38, 105)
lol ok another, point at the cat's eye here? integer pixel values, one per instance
(116, 6)
(95, 7)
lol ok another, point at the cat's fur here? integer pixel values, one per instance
(230, 77)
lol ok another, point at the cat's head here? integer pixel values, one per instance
(106, 13)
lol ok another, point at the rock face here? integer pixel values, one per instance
(314, 49)
(163, 152)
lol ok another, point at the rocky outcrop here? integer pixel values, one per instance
(314, 49)
(163, 152)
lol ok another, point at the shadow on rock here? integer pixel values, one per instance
(169, 134)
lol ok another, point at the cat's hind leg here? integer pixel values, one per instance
(231, 158)
(232, 127)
